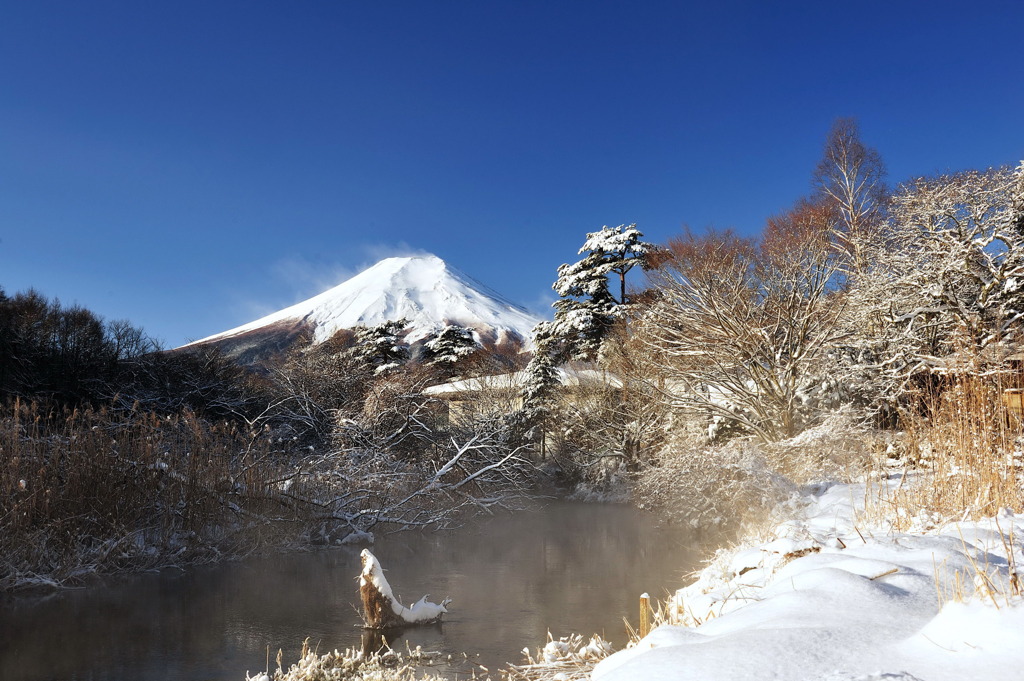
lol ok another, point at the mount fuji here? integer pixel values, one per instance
(422, 289)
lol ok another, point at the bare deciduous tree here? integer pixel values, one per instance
(743, 331)
(851, 176)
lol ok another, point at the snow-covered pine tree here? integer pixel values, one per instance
(449, 345)
(382, 347)
(587, 308)
(612, 250)
(541, 378)
(584, 313)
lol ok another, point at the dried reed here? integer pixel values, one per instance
(97, 490)
(966, 445)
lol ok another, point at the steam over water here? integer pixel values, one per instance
(568, 567)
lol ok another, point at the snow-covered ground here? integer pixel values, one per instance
(837, 596)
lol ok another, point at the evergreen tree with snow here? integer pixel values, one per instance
(448, 346)
(538, 393)
(610, 251)
(381, 347)
(587, 308)
(584, 313)
(541, 376)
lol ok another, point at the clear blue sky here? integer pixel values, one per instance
(190, 166)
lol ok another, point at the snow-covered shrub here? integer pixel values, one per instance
(842, 447)
(942, 278)
(710, 487)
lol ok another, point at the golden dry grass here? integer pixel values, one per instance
(95, 490)
(965, 447)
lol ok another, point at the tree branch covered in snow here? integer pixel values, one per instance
(371, 484)
(944, 276)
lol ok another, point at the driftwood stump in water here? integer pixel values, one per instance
(381, 610)
(378, 612)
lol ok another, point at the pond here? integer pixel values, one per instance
(566, 567)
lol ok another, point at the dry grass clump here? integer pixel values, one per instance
(568, 658)
(354, 665)
(91, 490)
(993, 575)
(967, 448)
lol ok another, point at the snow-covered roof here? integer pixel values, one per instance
(567, 377)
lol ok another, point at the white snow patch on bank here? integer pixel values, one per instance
(829, 598)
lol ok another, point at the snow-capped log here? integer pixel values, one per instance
(381, 610)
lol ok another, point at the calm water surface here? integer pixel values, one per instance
(569, 567)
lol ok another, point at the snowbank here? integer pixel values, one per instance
(830, 598)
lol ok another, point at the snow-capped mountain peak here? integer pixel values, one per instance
(422, 289)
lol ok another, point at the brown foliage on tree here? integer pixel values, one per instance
(741, 328)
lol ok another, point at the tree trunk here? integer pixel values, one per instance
(381, 610)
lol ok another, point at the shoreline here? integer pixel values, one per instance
(834, 593)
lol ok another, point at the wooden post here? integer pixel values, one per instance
(381, 610)
(645, 610)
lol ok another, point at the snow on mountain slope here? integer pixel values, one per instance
(422, 289)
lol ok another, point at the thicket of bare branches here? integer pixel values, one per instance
(742, 332)
(852, 311)
(87, 491)
(848, 298)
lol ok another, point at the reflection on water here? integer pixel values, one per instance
(569, 568)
